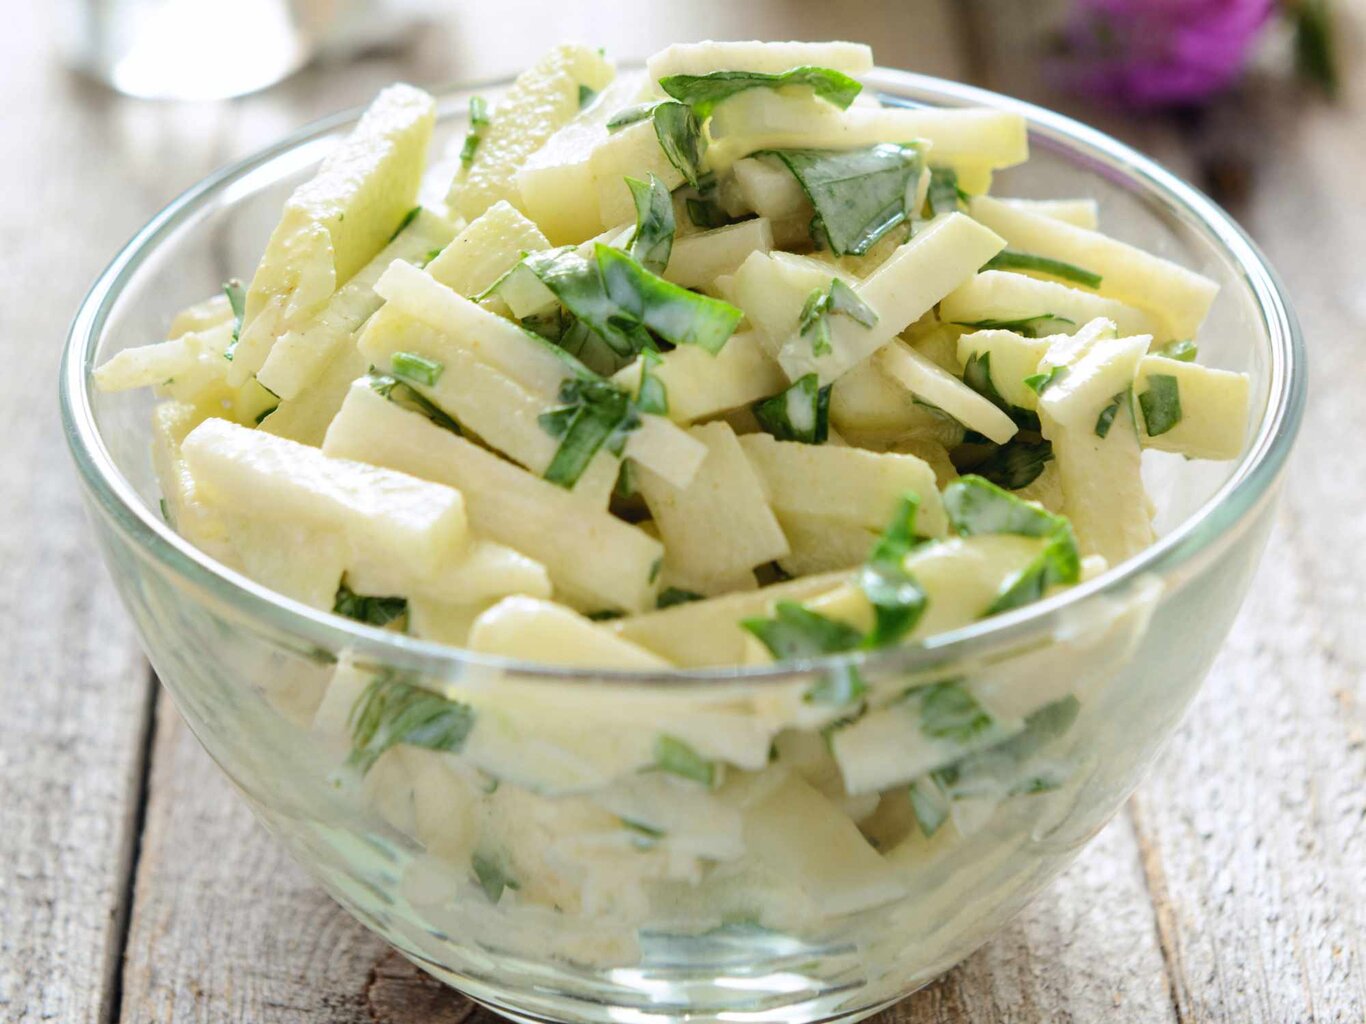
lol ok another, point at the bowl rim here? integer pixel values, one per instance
(1237, 499)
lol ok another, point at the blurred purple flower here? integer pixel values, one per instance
(1159, 53)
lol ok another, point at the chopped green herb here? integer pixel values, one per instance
(237, 302)
(628, 116)
(798, 632)
(839, 299)
(949, 712)
(1106, 419)
(1058, 563)
(930, 805)
(594, 414)
(415, 368)
(1026, 327)
(261, 416)
(680, 136)
(1010, 260)
(479, 120)
(408, 397)
(897, 598)
(493, 878)
(431, 255)
(675, 314)
(839, 688)
(1015, 464)
(606, 615)
(393, 711)
(652, 397)
(165, 511)
(646, 836)
(587, 95)
(706, 213)
(944, 195)
(408, 218)
(1005, 769)
(653, 239)
(674, 756)
(859, 195)
(670, 596)
(977, 375)
(625, 487)
(799, 413)
(375, 611)
(655, 567)
(703, 92)
(1037, 382)
(1315, 48)
(1183, 350)
(1161, 404)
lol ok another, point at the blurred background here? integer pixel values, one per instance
(1231, 891)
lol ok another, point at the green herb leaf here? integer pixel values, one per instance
(897, 598)
(859, 195)
(652, 397)
(1005, 769)
(1183, 350)
(653, 239)
(930, 805)
(577, 283)
(408, 218)
(1315, 49)
(944, 195)
(376, 611)
(670, 311)
(165, 511)
(264, 413)
(586, 95)
(408, 397)
(392, 711)
(237, 302)
(812, 324)
(839, 688)
(670, 596)
(493, 878)
(798, 632)
(1161, 403)
(977, 375)
(703, 92)
(479, 120)
(415, 368)
(1106, 419)
(674, 756)
(1010, 260)
(628, 116)
(594, 414)
(1015, 464)
(1058, 563)
(977, 506)
(706, 213)
(800, 413)
(680, 136)
(1027, 327)
(844, 301)
(1037, 382)
(949, 712)
(605, 615)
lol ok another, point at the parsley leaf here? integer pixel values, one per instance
(799, 413)
(703, 92)
(376, 611)
(859, 195)
(653, 239)
(1161, 403)
(1011, 260)
(392, 711)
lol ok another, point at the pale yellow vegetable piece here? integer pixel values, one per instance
(1004, 296)
(632, 152)
(202, 315)
(698, 259)
(385, 515)
(592, 556)
(143, 366)
(301, 355)
(440, 621)
(935, 385)
(305, 419)
(549, 633)
(700, 633)
(334, 224)
(485, 572)
(1176, 297)
(823, 544)
(1214, 409)
(1010, 359)
(543, 99)
(1083, 213)
(487, 248)
(852, 485)
(699, 384)
(874, 411)
(718, 526)
(663, 448)
(751, 55)
(171, 424)
(1101, 478)
(556, 182)
(920, 273)
(771, 290)
(298, 560)
(483, 399)
(768, 188)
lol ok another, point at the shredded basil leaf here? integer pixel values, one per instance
(605, 615)
(392, 711)
(408, 218)
(998, 769)
(677, 315)
(706, 213)
(1183, 350)
(1106, 419)
(652, 396)
(670, 596)
(264, 413)
(237, 302)
(653, 239)
(944, 195)
(1026, 327)
(1011, 260)
(415, 368)
(680, 136)
(703, 92)
(897, 598)
(799, 413)
(376, 611)
(839, 299)
(1015, 464)
(408, 397)
(798, 632)
(479, 120)
(949, 712)
(628, 116)
(859, 195)
(930, 805)
(1038, 382)
(493, 878)
(674, 756)
(977, 375)
(1161, 403)
(587, 95)
(594, 414)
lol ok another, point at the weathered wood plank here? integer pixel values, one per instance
(1252, 826)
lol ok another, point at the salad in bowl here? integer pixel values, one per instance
(719, 532)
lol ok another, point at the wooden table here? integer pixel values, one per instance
(134, 886)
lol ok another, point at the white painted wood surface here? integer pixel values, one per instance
(134, 885)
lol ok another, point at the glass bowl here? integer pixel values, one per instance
(540, 870)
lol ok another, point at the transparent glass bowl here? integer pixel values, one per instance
(751, 905)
